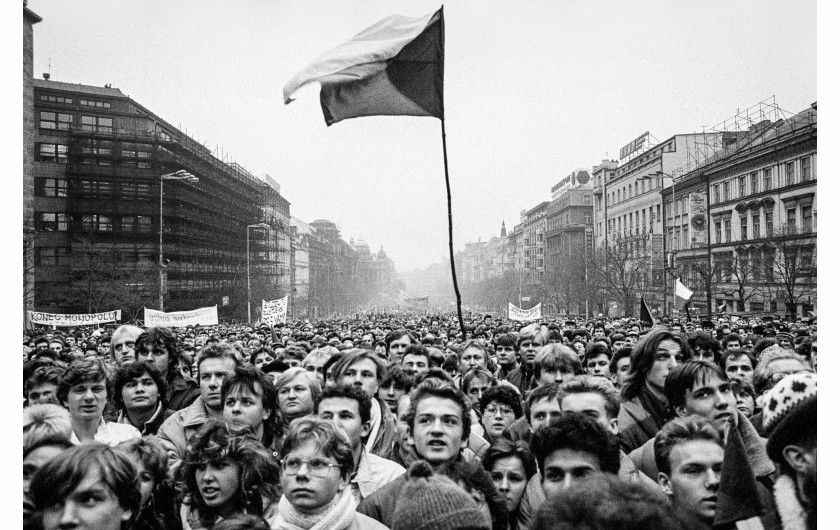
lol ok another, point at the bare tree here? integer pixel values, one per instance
(622, 273)
(791, 258)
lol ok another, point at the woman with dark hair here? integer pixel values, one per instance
(157, 510)
(499, 407)
(138, 395)
(511, 465)
(262, 356)
(88, 487)
(250, 401)
(224, 474)
(645, 409)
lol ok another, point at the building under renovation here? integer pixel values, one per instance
(107, 173)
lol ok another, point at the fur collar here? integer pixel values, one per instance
(790, 509)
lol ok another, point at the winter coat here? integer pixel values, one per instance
(177, 430)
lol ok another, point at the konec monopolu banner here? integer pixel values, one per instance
(69, 319)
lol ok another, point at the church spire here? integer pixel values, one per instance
(504, 232)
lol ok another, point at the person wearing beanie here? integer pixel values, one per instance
(790, 418)
(784, 340)
(435, 502)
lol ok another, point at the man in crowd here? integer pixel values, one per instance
(158, 348)
(123, 344)
(531, 338)
(415, 358)
(349, 408)
(215, 363)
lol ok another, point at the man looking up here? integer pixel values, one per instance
(216, 363)
(349, 408)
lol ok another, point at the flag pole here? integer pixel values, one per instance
(451, 250)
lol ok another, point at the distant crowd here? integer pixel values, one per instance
(408, 421)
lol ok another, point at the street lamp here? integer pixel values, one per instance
(181, 174)
(248, 260)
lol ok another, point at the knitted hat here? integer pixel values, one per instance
(435, 502)
(784, 335)
(790, 408)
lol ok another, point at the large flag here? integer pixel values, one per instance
(682, 293)
(394, 67)
(644, 313)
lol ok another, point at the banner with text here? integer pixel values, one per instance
(517, 313)
(274, 311)
(205, 316)
(67, 319)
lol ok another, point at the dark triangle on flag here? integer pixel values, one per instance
(644, 313)
(417, 71)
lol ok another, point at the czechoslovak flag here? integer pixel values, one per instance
(682, 292)
(394, 67)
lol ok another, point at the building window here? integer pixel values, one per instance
(727, 230)
(768, 223)
(97, 223)
(587, 219)
(789, 173)
(56, 121)
(52, 222)
(55, 153)
(51, 187)
(51, 256)
(742, 186)
(56, 99)
(806, 218)
(754, 182)
(97, 124)
(137, 223)
(726, 190)
(718, 232)
(791, 220)
(717, 193)
(92, 103)
(743, 227)
(805, 166)
(95, 189)
(756, 226)
(768, 179)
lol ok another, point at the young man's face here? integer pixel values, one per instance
(416, 364)
(733, 345)
(344, 413)
(591, 404)
(712, 398)
(155, 356)
(528, 351)
(471, 358)
(505, 355)
(695, 478)
(667, 356)
(702, 354)
(93, 503)
(565, 467)
(362, 374)
(45, 393)
(543, 411)
(555, 374)
(399, 345)
(437, 430)
(87, 400)
(598, 366)
(622, 372)
(212, 373)
(739, 366)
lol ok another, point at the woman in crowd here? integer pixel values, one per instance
(250, 401)
(317, 464)
(90, 486)
(224, 474)
(511, 465)
(262, 356)
(499, 406)
(138, 395)
(298, 390)
(157, 509)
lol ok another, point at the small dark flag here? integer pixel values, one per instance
(644, 313)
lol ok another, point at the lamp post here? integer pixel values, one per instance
(248, 260)
(163, 263)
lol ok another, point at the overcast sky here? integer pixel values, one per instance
(533, 90)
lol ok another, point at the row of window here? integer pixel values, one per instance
(57, 187)
(794, 171)
(634, 223)
(61, 222)
(631, 190)
(101, 156)
(794, 223)
(62, 256)
(95, 103)
(56, 99)
(61, 121)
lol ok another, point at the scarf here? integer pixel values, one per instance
(791, 511)
(375, 423)
(660, 412)
(337, 515)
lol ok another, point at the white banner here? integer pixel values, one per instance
(205, 316)
(68, 319)
(517, 313)
(274, 311)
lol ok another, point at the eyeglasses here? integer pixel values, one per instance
(493, 410)
(318, 467)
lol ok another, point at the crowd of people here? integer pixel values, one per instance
(408, 421)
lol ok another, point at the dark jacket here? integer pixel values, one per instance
(151, 426)
(181, 393)
(636, 425)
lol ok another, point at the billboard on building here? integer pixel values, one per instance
(635, 145)
(697, 219)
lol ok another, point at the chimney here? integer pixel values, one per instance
(46, 76)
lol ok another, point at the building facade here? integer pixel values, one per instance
(103, 169)
(753, 250)
(29, 19)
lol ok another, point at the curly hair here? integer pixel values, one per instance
(87, 369)
(504, 394)
(577, 432)
(133, 370)
(214, 443)
(148, 451)
(160, 338)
